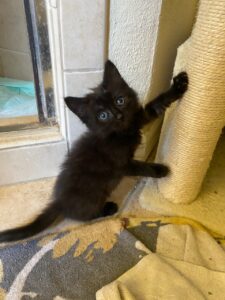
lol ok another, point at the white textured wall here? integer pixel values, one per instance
(132, 40)
(143, 40)
(175, 26)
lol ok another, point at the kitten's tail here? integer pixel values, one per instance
(40, 223)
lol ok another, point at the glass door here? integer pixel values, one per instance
(26, 84)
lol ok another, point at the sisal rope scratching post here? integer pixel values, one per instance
(192, 127)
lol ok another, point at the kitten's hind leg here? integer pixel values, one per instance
(109, 209)
(140, 168)
(157, 107)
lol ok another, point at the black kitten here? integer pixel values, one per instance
(104, 154)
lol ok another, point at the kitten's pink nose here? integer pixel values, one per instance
(119, 116)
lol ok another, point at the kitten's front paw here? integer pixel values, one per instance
(180, 83)
(160, 171)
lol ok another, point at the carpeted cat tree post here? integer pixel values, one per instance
(193, 126)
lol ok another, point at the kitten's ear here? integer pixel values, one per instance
(112, 77)
(78, 106)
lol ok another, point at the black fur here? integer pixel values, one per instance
(103, 155)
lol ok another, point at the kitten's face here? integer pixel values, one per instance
(110, 108)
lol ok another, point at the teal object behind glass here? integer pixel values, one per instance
(17, 98)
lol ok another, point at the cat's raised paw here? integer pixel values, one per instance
(180, 83)
(160, 170)
(110, 208)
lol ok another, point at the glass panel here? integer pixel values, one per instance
(26, 82)
(40, 51)
(17, 90)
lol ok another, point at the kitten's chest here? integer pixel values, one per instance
(122, 148)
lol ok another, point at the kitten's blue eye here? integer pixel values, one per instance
(103, 116)
(120, 101)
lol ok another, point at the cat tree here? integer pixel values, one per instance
(193, 126)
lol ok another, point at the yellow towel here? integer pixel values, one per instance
(189, 264)
(158, 277)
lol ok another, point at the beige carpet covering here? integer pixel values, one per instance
(20, 203)
(209, 207)
(191, 131)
